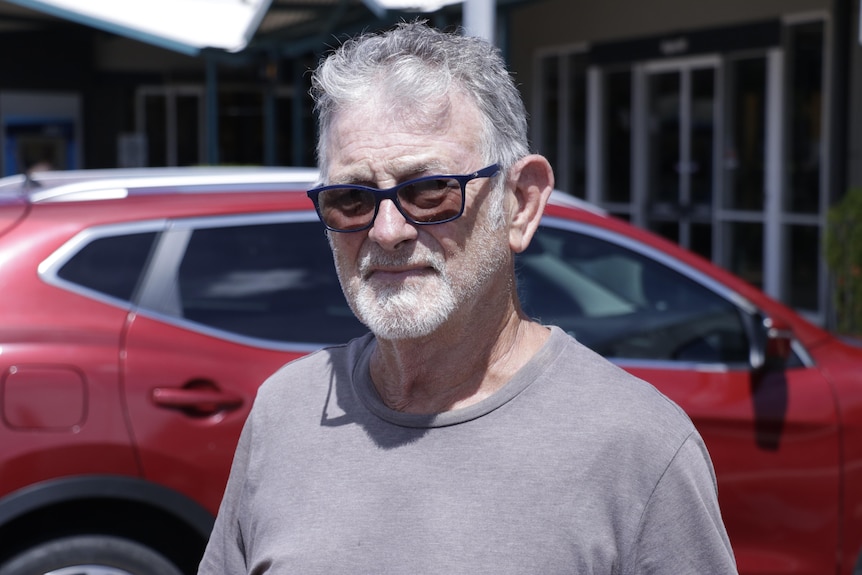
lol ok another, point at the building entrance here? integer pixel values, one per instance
(712, 139)
(680, 143)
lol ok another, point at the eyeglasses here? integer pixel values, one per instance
(423, 201)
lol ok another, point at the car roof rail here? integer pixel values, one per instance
(79, 185)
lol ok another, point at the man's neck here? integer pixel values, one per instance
(447, 371)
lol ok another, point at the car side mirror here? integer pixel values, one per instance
(771, 343)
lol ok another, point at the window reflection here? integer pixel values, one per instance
(272, 281)
(625, 305)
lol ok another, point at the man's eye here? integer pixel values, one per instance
(429, 193)
(349, 201)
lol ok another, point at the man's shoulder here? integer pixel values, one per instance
(608, 392)
(319, 365)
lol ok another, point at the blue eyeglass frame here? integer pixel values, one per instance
(392, 194)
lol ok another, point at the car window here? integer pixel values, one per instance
(110, 265)
(272, 281)
(625, 305)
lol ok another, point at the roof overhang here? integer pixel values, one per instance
(380, 7)
(186, 26)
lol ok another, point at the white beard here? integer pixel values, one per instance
(410, 310)
(421, 305)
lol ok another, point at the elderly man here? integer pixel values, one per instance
(459, 436)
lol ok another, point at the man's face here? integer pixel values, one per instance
(402, 280)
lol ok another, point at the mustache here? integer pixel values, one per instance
(374, 257)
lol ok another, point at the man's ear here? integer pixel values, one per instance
(533, 180)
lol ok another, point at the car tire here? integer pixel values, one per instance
(90, 555)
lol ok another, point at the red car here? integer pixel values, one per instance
(140, 310)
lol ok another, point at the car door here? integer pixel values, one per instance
(61, 318)
(226, 302)
(772, 433)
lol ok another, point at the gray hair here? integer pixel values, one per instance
(413, 67)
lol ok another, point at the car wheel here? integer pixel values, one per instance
(90, 555)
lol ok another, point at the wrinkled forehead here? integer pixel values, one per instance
(398, 109)
(391, 112)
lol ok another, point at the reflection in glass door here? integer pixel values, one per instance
(680, 152)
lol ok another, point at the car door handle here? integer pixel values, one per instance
(200, 401)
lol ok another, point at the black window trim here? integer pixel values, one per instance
(48, 270)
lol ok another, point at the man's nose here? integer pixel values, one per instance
(390, 228)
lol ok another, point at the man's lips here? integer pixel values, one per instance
(398, 273)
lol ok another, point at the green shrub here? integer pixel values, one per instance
(844, 258)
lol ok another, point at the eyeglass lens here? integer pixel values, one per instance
(424, 201)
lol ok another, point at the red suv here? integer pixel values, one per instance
(140, 310)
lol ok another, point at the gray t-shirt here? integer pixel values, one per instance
(574, 466)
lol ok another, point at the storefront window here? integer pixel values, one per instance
(549, 117)
(155, 127)
(576, 172)
(562, 117)
(663, 131)
(805, 109)
(744, 153)
(744, 250)
(189, 110)
(701, 164)
(617, 132)
(802, 255)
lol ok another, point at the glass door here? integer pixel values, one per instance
(680, 150)
(170, 119)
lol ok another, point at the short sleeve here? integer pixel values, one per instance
(225, 551)
(681, 529)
